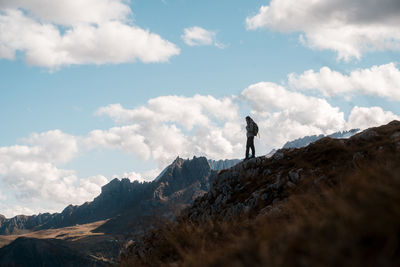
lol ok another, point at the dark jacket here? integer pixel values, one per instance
(251, 129)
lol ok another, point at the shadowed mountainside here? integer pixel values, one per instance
(179, 184)
(43, 252)
(130, 207)
(333, 203)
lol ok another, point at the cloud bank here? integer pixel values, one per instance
(30, 176)
(350, 28)
(52, 33)
(169, 126)
(382, 81)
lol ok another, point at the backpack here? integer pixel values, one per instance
(255, 129)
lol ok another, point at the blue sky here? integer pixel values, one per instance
(110, 106)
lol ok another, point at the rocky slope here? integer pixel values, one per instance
(255, 185)
(301, 207)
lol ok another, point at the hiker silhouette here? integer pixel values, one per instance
(252, 130)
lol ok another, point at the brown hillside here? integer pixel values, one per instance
(333, 203)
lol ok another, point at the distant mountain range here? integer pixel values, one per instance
(130, 207)
(176, 187)
(217, 165)
(304, 141)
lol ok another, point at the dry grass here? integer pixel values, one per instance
(356, 223)
(71, 233)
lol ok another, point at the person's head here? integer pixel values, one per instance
(248, 119)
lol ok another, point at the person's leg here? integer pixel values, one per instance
(253, 150)
(247, 147)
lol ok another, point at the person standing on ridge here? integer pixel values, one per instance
(252, 130)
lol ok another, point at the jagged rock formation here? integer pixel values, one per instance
(304, 141)
(178, 185)
(182, 175)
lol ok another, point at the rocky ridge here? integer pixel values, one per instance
(258, 185)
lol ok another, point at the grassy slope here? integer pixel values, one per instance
(71, 233)
(101, 248)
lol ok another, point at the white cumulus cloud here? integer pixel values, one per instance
(56, 33)
(365, 117)
(382, 81)
(198, 36)
(284, 115)
(171, 126)
(30, 175)
(72, 12)
(177, 125)
(126, 138)
(350, 28)
(147, 176)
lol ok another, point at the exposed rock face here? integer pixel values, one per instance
(181, 174)
(178, 185)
